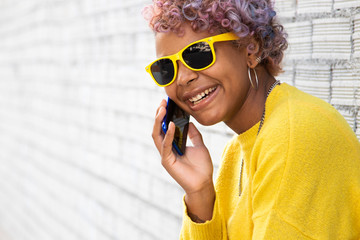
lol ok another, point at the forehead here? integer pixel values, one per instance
(170, 43)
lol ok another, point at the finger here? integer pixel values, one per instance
(162, 104)
(195, 136)
(157, 133)
(166, 150)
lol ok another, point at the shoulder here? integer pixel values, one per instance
(303, 130)
(297, 114)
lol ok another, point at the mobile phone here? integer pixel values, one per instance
(181, 119)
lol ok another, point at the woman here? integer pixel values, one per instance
(292, 171)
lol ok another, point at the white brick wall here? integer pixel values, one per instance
(76, 112)
(323, 58)
(77, 108)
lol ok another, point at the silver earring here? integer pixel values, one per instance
(256, 78)
(258, 59)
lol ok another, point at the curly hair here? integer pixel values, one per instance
(249, 19)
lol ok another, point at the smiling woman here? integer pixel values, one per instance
(294, 162)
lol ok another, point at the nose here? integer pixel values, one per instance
(185, 75)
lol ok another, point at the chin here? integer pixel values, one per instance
(207, 121)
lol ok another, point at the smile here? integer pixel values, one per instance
(201, 96)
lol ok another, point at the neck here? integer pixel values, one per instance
(251, 111)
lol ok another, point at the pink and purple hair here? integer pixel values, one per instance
(249, 19)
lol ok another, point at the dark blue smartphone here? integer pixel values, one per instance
(181, 119)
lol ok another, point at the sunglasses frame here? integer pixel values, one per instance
(229, 36)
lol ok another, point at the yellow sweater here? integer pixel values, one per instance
(300, 178)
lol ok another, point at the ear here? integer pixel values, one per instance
(252, 54)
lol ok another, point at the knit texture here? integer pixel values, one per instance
(300, 179)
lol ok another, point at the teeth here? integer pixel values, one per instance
(201, 96)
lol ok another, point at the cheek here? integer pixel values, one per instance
(230, 63)
(230, 75)
(171, 91)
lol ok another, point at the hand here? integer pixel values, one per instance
(193, 171)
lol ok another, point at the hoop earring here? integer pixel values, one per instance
(256, 78)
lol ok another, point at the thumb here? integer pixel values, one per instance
(195, 136)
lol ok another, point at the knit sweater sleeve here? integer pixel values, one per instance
(213, 229)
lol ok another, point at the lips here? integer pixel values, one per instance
(199, 98)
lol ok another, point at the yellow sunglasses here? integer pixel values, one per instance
(196, 56)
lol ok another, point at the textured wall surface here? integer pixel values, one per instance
(323, 58)
(76, 112)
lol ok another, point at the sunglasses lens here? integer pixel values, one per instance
(163, 71)
(198, 55)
